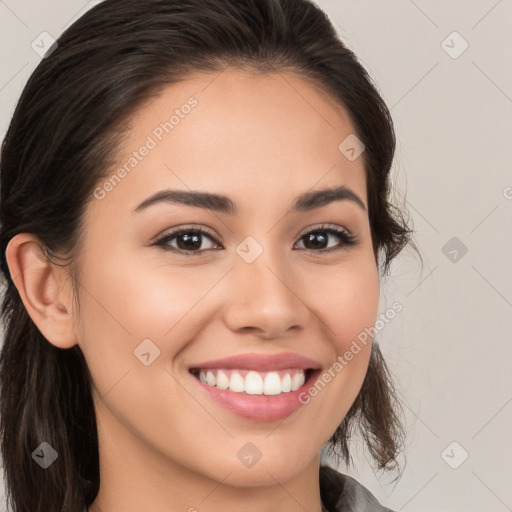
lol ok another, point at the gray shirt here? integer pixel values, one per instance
(341, 493)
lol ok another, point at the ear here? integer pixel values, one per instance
(42, 288)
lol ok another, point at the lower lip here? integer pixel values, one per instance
(258, 407)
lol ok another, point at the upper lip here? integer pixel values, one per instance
(261, 362)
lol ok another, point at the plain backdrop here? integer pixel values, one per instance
(444, 69)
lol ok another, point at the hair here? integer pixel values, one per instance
(62, 139)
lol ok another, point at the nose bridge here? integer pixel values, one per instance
(262, 291)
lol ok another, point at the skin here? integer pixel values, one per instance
(164, 445)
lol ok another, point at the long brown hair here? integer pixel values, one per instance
(60, 144)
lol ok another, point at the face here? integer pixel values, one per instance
(286, 287)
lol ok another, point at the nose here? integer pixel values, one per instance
(265, 297)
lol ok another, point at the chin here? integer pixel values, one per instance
(265, 472)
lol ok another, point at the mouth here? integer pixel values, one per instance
(252, 382)
(263, 396)
(259, 387)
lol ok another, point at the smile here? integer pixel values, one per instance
(253, 382)
(259, 387)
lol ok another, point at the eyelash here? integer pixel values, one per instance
(347, 239)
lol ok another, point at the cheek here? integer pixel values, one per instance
(134, 302)
(347, 301)
(123, 304)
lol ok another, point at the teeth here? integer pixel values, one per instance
(286, 383)
(237, 383)
(222, 380)
(297, 381)
(254, 383)
(210, 379)
(272, 384)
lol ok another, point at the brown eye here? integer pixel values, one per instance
(188, 241)
(317, 240)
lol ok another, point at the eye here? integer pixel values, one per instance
(318, 237)
(189, 240)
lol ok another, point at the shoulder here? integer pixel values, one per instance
(342, 493)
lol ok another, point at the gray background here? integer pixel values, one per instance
(450, 346)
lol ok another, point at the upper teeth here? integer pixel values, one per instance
(254, 383)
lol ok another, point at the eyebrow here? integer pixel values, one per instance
(220, 203)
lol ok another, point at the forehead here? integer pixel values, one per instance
(234, 132)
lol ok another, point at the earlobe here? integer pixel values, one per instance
(39, 285)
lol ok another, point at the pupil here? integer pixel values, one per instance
(188, 238)
(312, 237)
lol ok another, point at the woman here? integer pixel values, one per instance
(195, 217)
